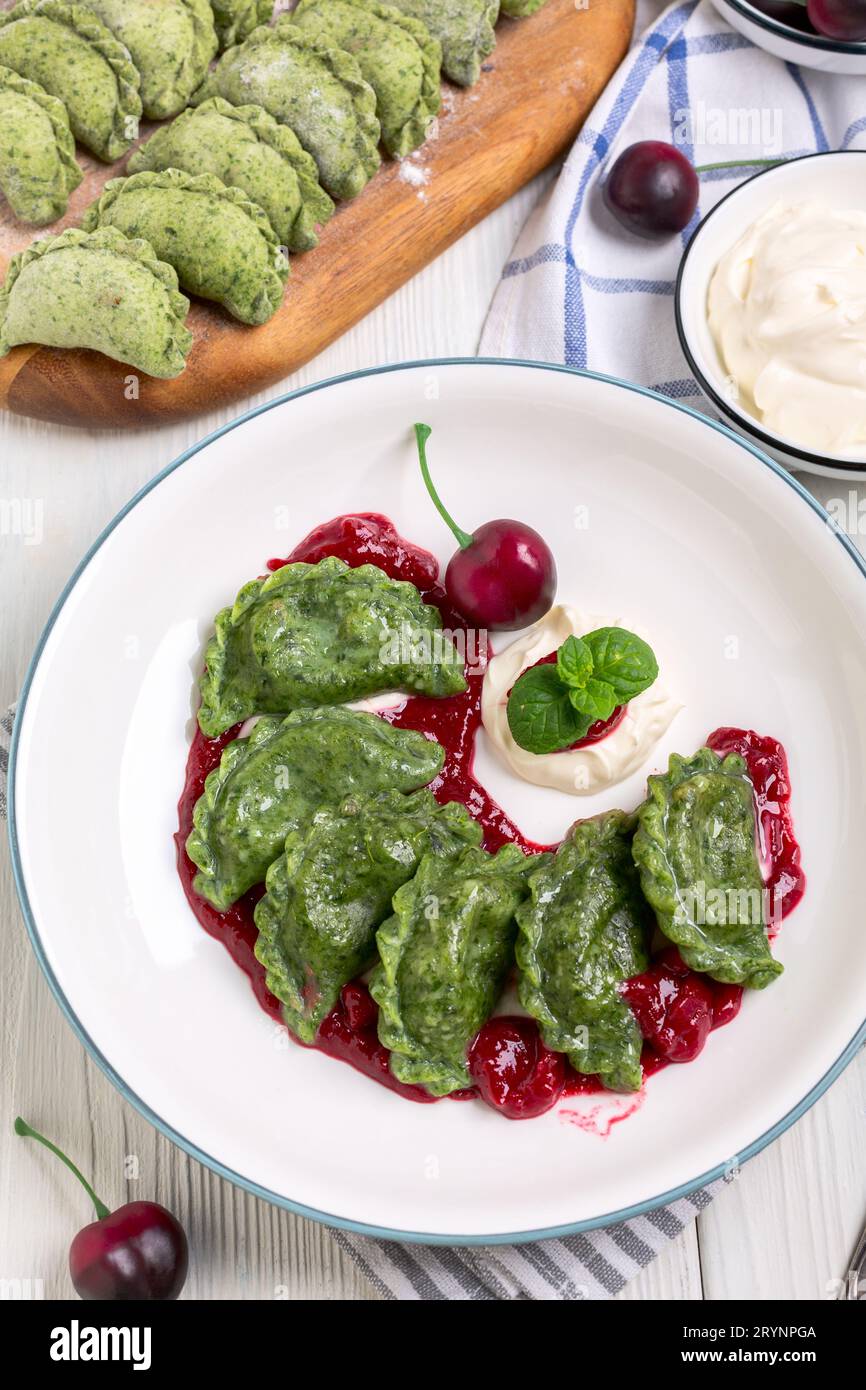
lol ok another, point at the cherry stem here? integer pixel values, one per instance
(738, 164)
(22, 1128)
(422, 434)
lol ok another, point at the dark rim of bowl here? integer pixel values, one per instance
(786, 31)
(737, 418)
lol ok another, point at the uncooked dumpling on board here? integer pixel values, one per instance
(97, 290)
(69, 52)
(221, 245)
(171, 43)
(37, 151)
(235, 19)
(397, 55)
(465, 30)
(520, 9)
(317, 91)
(246, 148)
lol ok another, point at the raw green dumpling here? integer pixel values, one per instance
(234, 19)
(69, 52)
(274, 781)
(445, 954)
(222, 246)
(696, 848)
(585, 929)
(246, 148)
(333, 886)
(464, 28)
(317, 91)
(37, 152)
(323, 635)
(171, 43)
(97, 290)
(520, 9)
(396, 54)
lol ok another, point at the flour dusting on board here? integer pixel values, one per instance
(415, 174)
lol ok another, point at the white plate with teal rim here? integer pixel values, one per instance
(756, 601)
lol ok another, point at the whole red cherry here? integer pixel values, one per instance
(503, 575)
(652, 189)
(843, 20)
(138, 1252)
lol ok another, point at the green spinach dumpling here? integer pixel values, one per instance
(696, 848)
(585, 929)
(221, 245)
(37, 152)
(520, 9)
(317, 91)
(101, 291)
(445, 954)
(323, 635)
(274, 781)
(396, 54)
(171, 43)
(329, 891)
(68, 51)
(464, 28)
(235, 19)
(246, 148)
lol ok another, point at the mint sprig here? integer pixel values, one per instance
(550, 707)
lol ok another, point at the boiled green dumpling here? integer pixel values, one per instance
(246, 148)
(317, 91)
(445, 954)
(171, 43)
(332, 887)
(221, 245)
(584, 930)
(396, 54)
(68, 51)
(274, 781)
(235, 19)
(464, 28)
(37, 151)
(323, 634)
(97, 290)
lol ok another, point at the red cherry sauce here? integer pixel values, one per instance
(597, 731)
(512, 1069)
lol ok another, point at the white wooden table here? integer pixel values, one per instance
(783, 1229)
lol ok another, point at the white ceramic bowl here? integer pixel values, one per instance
(839, 180)
(791, 45)
(651, 510)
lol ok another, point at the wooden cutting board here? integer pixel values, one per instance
(542, 79)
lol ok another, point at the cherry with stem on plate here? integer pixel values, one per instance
(139, 1251)
(843, 20)
(503, 575)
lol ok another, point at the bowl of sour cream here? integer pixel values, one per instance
(771, 311)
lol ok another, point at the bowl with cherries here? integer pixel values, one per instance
(829, 35)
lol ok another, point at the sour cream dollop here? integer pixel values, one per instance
(580, 771)
(787, 309)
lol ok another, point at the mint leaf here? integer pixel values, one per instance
(540, 714)
(622, 660)
(574, 662)
(597, 699)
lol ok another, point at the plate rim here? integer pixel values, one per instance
(162, 1126)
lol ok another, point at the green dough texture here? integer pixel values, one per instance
(97, 290)
(464, 28)
(396, 54)
(37, 151)
(444, 956)
(322, 635)
(246, 148)
(235, 19)
(171, 43)
(221, 245)
(68, 51)
(317, 91)
(696, 848)
(585, 929)
(520, 9)
(333, 886)
(274, 782)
